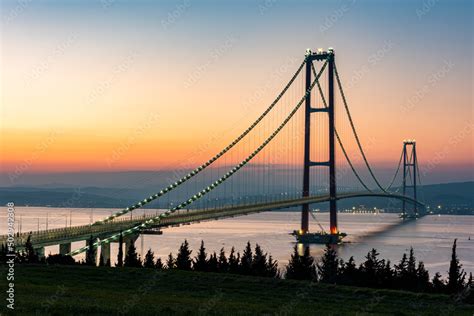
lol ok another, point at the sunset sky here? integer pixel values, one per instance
(79, 78)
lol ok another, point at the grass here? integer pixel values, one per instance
(80, 290)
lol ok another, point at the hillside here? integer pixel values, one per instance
(81, 290)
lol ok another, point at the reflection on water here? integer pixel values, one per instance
(430, 236)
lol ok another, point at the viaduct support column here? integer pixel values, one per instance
(40, 252)
(105, 252)
(65, 248)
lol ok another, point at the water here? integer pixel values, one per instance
(431, 236)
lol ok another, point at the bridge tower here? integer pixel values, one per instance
(410, 166)
(331, 164)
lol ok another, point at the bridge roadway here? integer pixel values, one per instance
(66, 235)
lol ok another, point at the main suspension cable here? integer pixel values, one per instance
(354, 130)
(207, 163)
(396, 172)
(211, 187)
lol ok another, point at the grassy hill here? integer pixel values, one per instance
(80, 290)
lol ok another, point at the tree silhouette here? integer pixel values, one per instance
(120, 251)
(301, 267)
(259, 262)
(423, 277)
(349, 272)
(183, 260)
(149, 259)
(401, 272)
(60, 259)
(200, 262)
(101, 260)
(439, 286)
(272, 268)
(411, 279)
(246, 260)
(91, 254)
(30, 255)
(328, 268)
(233, 261)
(222, 264)
(3, 254)
(386, 276)
(456, 274)
(131, 258)
(469, 290)
(370, 269)
(170, 262)
(213, 264)
(159, 264)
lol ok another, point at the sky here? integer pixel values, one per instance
(106, 86)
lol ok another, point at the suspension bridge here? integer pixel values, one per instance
(293, 155)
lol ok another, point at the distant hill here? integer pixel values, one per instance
(452, 197)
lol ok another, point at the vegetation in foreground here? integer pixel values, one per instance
(84, 290)
(373, 272)
(246, 284)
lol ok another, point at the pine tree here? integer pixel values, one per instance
(246, 260)
(349, 272)
(223, 264)
(149, 259)
(120, 252)
(91, 253)
(30, 255)
(200, 261)
(423, 277)
(170, 262)
(259, 262)
(301, 267)
(439, 286)
(101, 260)
(212, 264)
(159, 264)
(401, 272)
(371, 268)
(469, 290)
(328, 269)
(456, 274)
(386, 277)
(3, 254)
(233, 261)
(131, 258)
(411, 275)
(272, 268)
(183, 260)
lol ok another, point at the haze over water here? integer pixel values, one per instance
(431, 236)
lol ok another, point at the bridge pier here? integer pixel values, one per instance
(65, 248)
(105, 252)
(40, 252)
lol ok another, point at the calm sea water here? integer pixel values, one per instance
(430, 236)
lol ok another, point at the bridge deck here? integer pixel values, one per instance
(78, 233)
